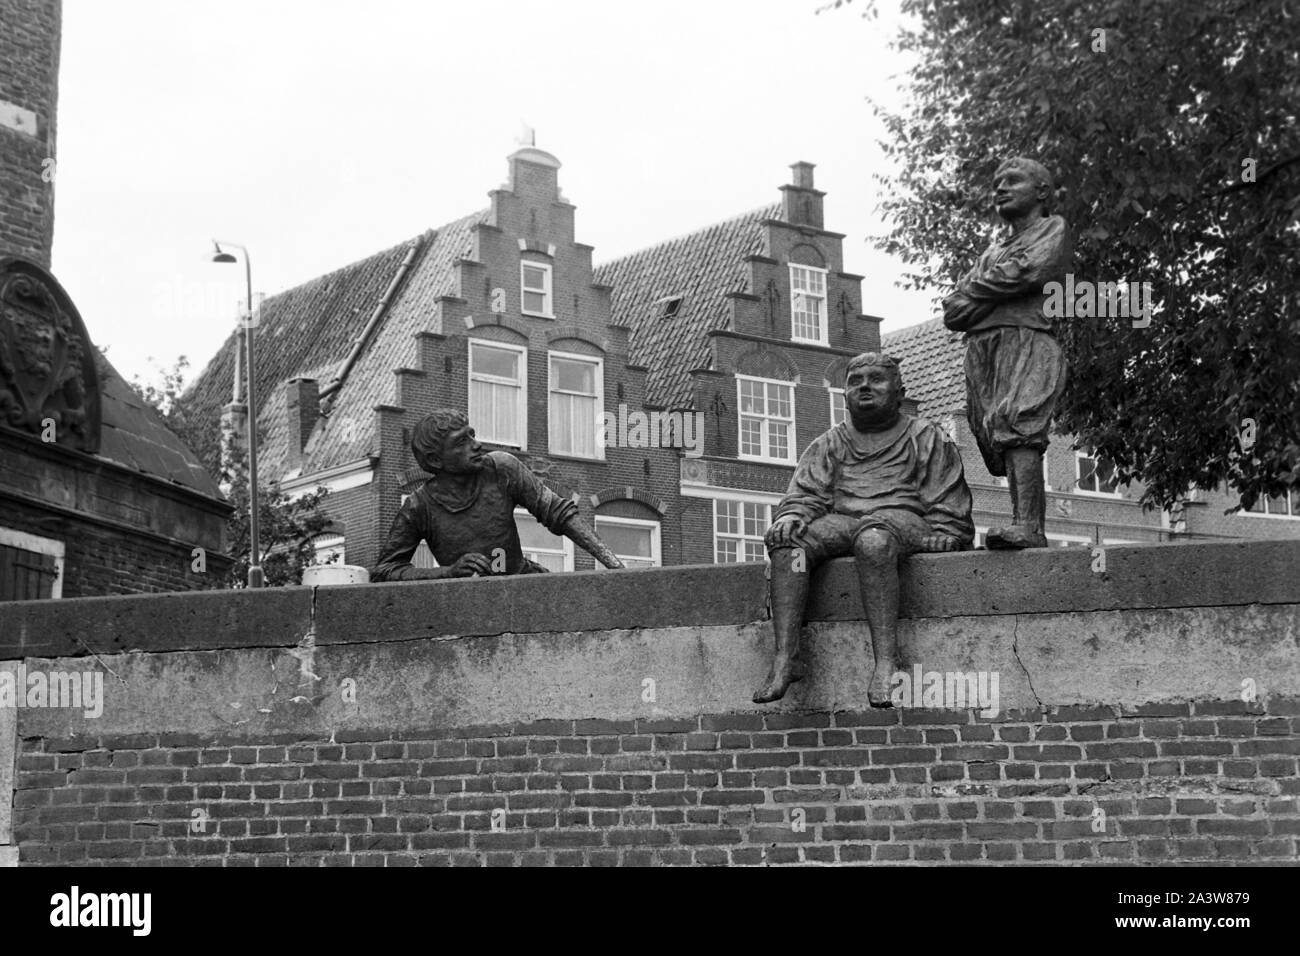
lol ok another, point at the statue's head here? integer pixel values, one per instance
(1020, 187)
(873, 391)
(444, 442)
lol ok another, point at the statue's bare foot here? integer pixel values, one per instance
(1014, 536)
(878, 691)
(784, 672)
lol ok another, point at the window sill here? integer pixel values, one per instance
(788, 462)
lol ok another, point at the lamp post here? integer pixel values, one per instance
(256, 578)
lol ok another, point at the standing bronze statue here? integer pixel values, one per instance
(465, 512)
(879, 486)
(1015, 370)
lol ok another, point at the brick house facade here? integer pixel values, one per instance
(499, 313)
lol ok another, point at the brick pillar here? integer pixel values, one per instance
(801, 204)
(29, 90)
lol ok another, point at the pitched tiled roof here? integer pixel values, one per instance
(931, 360)
(701, 268)
(133, 434)
(308, 331)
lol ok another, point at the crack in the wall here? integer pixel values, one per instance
(1015, 652)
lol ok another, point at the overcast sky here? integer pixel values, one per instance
(317, 133)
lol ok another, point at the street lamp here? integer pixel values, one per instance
(256, 578)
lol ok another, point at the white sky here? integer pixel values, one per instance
(317, 133)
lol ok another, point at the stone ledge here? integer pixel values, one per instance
(971, 584)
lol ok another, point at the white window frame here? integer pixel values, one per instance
(548, 290)
(1293, 502)
(832, 392)
(566, 545)
(38, 545)
(521, 400)
(764, 443)
(656, 553)
(740, 538)
(1079, 454)
(823, 321)
(597, 438)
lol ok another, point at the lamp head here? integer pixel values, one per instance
(219, 256)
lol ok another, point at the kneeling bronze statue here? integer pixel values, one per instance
(465, 512)
(879, 486)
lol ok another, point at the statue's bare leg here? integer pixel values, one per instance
(789, 590)
(876, 556)
(1028, 502)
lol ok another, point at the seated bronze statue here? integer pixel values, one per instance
(465, 512)
(879, 486)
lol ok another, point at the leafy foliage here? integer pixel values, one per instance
(1172, 130)
(285, 528)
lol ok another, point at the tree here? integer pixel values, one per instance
(285, 528)
(1172, 130)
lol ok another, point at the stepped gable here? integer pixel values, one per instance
(931, 360)
(701, 268)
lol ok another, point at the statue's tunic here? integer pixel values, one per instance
(1015, 370)
(906, 480)
(481, 520)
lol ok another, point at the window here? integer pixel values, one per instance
(738, 529)
(1095, 475)
(838, 410)
(634, 540)
(551, 552)
(1282, 506)
(577, 399)
(535, 281)
(808, 304)
(31, 567)
(766, 419)
(670, 307)
(497, 408)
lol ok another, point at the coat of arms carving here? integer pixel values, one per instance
(47, 368)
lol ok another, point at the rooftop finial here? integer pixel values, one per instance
(527, 136)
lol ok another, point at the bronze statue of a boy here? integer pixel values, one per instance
(1015, 370)
(465, 512)
(879, 486)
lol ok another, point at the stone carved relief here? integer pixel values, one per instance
(47, 367)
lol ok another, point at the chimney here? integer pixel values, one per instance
(302, 407)
(534, 173)
(801, 204)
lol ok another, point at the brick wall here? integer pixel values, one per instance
(116, 559)
(29, 79)
(1171, 782)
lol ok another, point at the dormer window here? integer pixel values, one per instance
(808, 305)
(669, 307)
(535, 283)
